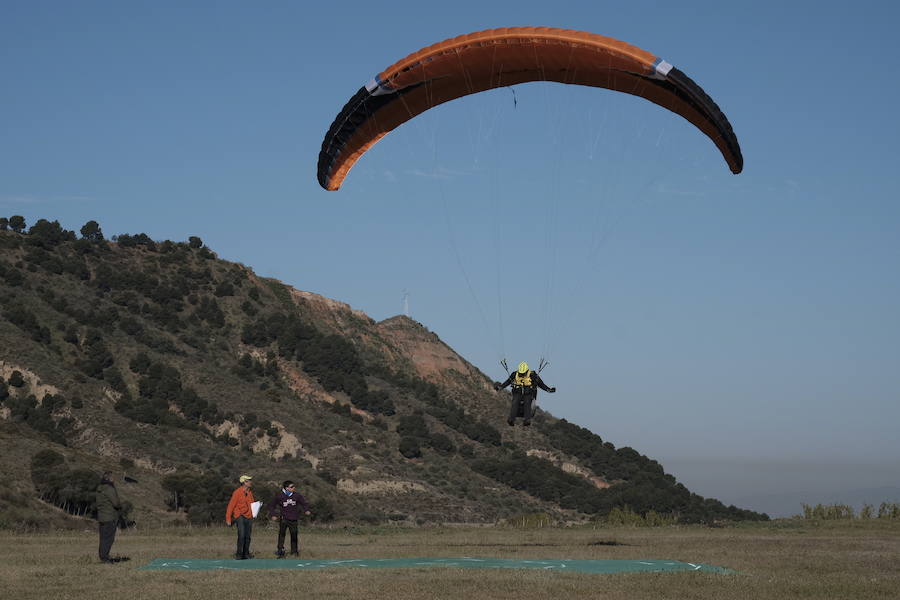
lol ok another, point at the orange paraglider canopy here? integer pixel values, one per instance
(494, 58)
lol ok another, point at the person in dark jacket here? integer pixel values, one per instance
(525, 383)
(109, 509)
(285, 508)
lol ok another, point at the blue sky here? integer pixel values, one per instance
(687, 312)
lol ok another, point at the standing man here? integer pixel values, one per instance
(109, 507)
(240, 512)
(286, 507)
(525, 384)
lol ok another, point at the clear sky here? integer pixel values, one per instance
(687, 312)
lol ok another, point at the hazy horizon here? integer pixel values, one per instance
(780, 487)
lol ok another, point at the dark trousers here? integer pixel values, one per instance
(107, 537)
(521, 406)
(283, 526)
(244, 529)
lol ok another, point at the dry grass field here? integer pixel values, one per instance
(779, 560)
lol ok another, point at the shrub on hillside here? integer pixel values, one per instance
(48, 235)
(25, 320)
(161, 386)
(322, 510)
(140, 363)
(39, 416)
(131, 241)
(541, 479)
(441, 443)
(16, 380)
(9, 274)
(209, 311)
(248, 368)
(201, 496)
(73, 490)
(329, 358)
(412, 426)
(445, 411)
(224, 288)
(378, 402)
(409, 447)
(96, 357)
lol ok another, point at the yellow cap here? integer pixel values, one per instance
(523, 367)
(244, 478)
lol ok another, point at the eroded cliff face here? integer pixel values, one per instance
(327, 309)
(400, 341)
(431, 358)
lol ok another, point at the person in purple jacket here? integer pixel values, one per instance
(286, 507)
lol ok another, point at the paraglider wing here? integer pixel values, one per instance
(495, 58)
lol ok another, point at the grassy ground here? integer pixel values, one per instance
(779, 560)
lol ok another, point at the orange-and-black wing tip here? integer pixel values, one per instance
(358, 110)
(684, 87)
(354, 114)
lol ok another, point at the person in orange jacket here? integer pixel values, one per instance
(240, 512)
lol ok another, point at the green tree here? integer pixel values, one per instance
(409, 447)
(322, 510)
(441, 443)
(210, 312)
(46, 460)
(201, 496)
(225, 288)
(140, 363)
(48, 469)
(49, 473)
(413, 426)
(91, 231)
(49, 234)
(17, 223)
(16, 380)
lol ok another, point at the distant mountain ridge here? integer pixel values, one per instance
(181, 371)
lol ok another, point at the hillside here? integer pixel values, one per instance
(180, 371)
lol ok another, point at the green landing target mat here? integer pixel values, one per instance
(573, 566)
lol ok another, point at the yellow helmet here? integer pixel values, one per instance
(523, 367)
